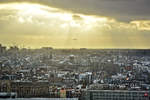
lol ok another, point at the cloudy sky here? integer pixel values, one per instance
(75, 23)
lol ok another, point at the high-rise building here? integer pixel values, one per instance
(2, 49)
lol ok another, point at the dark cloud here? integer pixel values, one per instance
(77, 17)
(123, 10)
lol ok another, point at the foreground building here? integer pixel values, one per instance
(116, 95)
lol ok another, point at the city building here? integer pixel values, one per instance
(116, 95)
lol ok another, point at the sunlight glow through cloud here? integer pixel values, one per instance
(49, 26)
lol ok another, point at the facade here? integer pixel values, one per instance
(5, 86)
(30, 89)
(116, 95)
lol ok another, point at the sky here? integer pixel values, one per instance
(75, 23)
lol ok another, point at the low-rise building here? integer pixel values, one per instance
(116, 95)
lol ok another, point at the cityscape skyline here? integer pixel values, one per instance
(75, 49)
